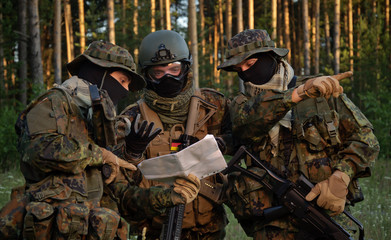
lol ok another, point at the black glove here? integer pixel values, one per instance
(221, 144)
(139, 138)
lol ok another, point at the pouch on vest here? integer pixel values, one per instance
(72, 221)
(38, 222)
(104, 223)
(103, 117)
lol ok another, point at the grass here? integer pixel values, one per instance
(374, 212)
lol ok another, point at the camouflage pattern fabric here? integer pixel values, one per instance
(306, 149)
(203, 219)
(247, 43)
(58, 158)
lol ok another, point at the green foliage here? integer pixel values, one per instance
(9, 156)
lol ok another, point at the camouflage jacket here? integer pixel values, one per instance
(324, 136)
(202, 216)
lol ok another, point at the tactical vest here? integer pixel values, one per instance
(68, 202)
(206, 206)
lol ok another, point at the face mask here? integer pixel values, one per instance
(115, 90)
(168, 86)
(261, 72)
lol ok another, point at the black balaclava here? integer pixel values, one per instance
(169, 86)
(94, 74)
(262, 70)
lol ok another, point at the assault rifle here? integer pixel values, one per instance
(291, 196)
(196, 119)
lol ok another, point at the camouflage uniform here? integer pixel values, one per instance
(204, 218)
(324, 136)
(61, 160)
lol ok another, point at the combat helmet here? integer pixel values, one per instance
(162, 47)
(108, 55)
(247, 43)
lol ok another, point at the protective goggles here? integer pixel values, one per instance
(174, 70)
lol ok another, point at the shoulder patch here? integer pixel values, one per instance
(356, 112)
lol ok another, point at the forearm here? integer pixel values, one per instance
(56, 152)
(261, 112)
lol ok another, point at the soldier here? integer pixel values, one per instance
(302, 130)
(64, 135)
(165, 62)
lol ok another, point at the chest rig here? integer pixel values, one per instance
(202, 209)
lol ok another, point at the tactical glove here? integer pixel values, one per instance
(115, 163)
(221, 144)
(185, 189)
(139, 137)
(332, 192)
(324, 86)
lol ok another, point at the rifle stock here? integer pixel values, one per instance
(173, 229)
(291, 195)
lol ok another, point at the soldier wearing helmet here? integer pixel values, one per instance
(299, 126)
(64, 137)
(165, 63)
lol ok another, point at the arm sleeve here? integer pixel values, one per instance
(59, 140)
(137, 203)
(255, 116)
(360, 146)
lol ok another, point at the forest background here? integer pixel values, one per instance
(38, 38)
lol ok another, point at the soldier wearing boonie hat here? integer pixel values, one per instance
(64, 137)
(311, 129)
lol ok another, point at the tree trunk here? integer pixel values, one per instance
(327, 31)
(22, 50)
(306, 39)
(135, 28)
(57, 42)
(82, 27)
(110, 21)
(239, 14)
(203, 40)
(280, 27)
(350, 12)
(124, 22)
(3, 90)
(221, 30)
(168, 15)
(317, 36)
(216, 51)
(274, 20)
(337, 9)
(68, 30)
(287, 30)
(35, 46)
(153, 13)
(161, 9)
(228, 27)
(294, 43)
(387, 16)
(251, 14)
(193, 39)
